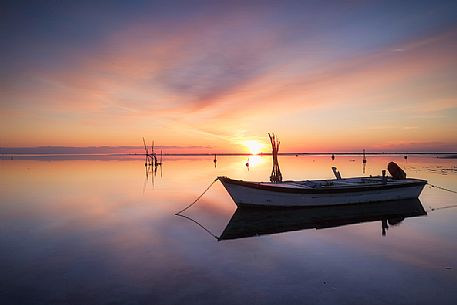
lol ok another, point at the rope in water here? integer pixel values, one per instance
(441, 208)
(199, 224)
(442, 188)
(198, 198)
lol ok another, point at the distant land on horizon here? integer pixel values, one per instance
(180, 150)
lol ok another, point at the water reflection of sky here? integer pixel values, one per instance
(91, 232)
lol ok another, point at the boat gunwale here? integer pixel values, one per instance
(323, 190)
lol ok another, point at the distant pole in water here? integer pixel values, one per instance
(333, 156)
(215, 160)
(364, 162)
(406, 157)
(247, 164)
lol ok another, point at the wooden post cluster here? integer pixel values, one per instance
(151, 158)
(276, 175)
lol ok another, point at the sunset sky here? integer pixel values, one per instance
(215, 76)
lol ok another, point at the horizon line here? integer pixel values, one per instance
(237, 153)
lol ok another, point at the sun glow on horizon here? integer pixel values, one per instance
(254, 147)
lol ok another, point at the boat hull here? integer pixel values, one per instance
(246, 193)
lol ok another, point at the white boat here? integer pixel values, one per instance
(322, 192)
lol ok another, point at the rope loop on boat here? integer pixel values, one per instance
(442, 188)
(198, 198)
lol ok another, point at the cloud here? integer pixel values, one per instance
(190, 67)
(412, 146)
(236, 73)
(187, 67)
(96, 149)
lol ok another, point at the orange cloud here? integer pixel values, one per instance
(209, 83)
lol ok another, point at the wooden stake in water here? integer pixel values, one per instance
(276, 175)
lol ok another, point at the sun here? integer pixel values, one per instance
(254, 147)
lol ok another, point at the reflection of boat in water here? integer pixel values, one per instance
(322, 192)
(247, 222)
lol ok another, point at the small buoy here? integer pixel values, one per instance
(406, 157)
(333, 156)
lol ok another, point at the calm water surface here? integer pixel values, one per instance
(100, 232)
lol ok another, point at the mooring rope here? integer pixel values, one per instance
(198, 198)
(442, 208)
(442, 188)
(199, 224)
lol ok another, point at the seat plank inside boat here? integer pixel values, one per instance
(339, 183)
